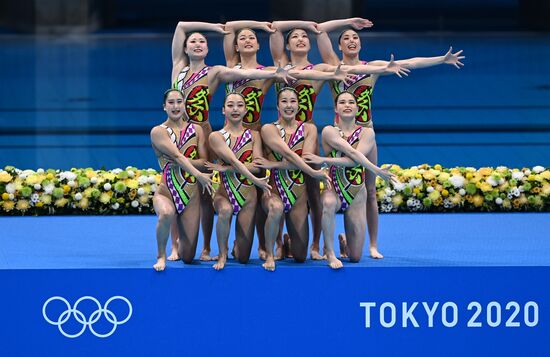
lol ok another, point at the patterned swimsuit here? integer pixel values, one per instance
(196, 94)
(251, 89)
(237, 186)
(179, 182)
(289, 183)
(347, 181)
(361, 86)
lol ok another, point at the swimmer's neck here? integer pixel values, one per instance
(289, 125)
(299, 60)
(347, 126)
(351, 60)
(249, 62)
(234, 129)
(178, 124)
(195, 66)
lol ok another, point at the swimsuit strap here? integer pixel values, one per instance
(226, 136)
(170, 132)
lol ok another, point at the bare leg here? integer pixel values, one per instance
(207, 222)
(166, 212)
(343, 245)
(315, 213)
(260, 226)
(331, 202)
(274, 209)
(188, 226)
(174, 235)
(279, 245)
(372, 203)
(225, 213)
(354, 224)
(298, 229)
(244, 230)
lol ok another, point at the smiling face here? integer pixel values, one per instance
(287, 103)
(246, 42)
(349, 43)
(173, 105)
(234, 108)
(346, 106)
(196, 46)
(298, 41)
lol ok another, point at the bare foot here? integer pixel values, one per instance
(235, 252)
(269, 264)
(161, 264)
(334, 262)
(374, 253)
(343, 245)
(314, 253)
(174, 256)
(286, 246)
(262, 254)
(279, 253)
(205, 256)
(221, 262)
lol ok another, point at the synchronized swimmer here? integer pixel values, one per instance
(244, 150)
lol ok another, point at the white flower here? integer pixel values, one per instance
(116, 172)
(67, 175)
(151, 179)
(11, 196)
(387, 190)
(491, 180)
(538, 169)
(142, 180)
(25, 174)
(78, 196)
(107, 187)
(498, 201)
(387, 199)
(35, 197)
(457, 181)
(515, 192)
(140, 191)
(501, 181)
(131, 173)
(49, 188)
(37, 186)
(502, 168)
(415, 182)
(517, 175)
(430, 189)
(154, 187)
(115, 205)
(93, 180)
(421, 171)
(399, 186)
(135, 203)
(10, 188)
(71, 183)
(40, 171)
(528, 172)
(447, 203)
(462, 192)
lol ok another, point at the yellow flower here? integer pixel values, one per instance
(506, 203)
(61, 202)
(437, 167)
(5, 177)
(397, 200)
(531, 177)
(91, 173)
(46, 199)
(5, 196)
(477, 200)
(39, 204)
(445, 193)
(485, 171)
(469, 175)
(428, 175)
(434, 195)
(132, 184)
(32, 179)
(485, 187)
(456, 199)
(416, 190)
(105, 197)
(438, 202)
(546, 190)
(158, 179)
(22, 205)
(8, 205)
(443, 177)
(545, 175)
(66, 188)
(439, 187)
(144, 200)
(50, 176)
(84, 203)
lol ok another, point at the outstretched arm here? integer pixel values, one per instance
(179, 59)
(161, 141)
(323, 40)
(231, 28)
(221, 149)
(222, 74)
(423, 62)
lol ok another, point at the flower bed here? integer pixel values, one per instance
(422, 188)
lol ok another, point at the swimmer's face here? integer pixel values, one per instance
(173, 105)
(247, 42)
(287, 104)
(346, 106)
(234, 108)
(350, 43)
(196, 46)
(298, 41)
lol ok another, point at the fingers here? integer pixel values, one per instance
(391, 58)
(458, 53)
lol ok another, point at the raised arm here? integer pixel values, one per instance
(221, 149)
(423, 62)
(161, 141)
(323, 40)
(231, 28)
(277, 42)
(179, 59)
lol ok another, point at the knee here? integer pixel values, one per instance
(329, 205)
(243, 258)
(166, 215)
(225, 212)
(187, 257)
(275, 209)
(354, 257)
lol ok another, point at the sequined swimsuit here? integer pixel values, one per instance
(179, 182)
(361, 86)
(237, 186)
(196, 94)
(347, 181)
(289, 183)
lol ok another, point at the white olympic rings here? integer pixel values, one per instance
(79, 316)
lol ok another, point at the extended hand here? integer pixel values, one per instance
(396, 68)
(206, 182)
(262, 183)
(359, 23)
(282, 74)
(312, 158)
(454, 58)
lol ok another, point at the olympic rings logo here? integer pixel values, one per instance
(93, 318)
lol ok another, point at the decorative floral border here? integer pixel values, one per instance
(422, 188)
